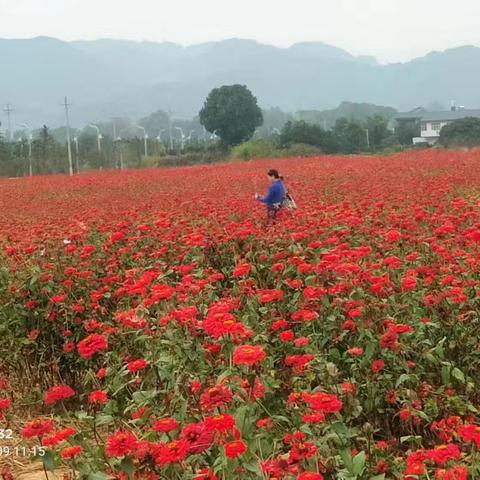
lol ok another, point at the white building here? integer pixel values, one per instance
(432, 122)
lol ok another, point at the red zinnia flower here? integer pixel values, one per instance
(120, 444)
(136, 365)
(98, 396)
(38, 428)
(92, 344)
(267, 296)
(197, 437)
(165, 425)
(205, 474)
(355, 351)
(58, 392)
(234, 449)
(220, 423)
(165, 453)
(378, 366)
(71, 452)
(310, 476)
(242, 269)
(323, 402)
(248, 355)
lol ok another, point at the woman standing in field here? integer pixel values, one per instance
(275, 196)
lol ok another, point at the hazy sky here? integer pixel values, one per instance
(392, 30)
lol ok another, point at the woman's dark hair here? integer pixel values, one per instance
(273, 173)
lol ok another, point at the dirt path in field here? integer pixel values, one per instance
(30, 471)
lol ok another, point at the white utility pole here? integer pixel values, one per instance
(8, 110)
(99, 137)
(368, 137)
(29, 139)
(69, 146)
(145, 138)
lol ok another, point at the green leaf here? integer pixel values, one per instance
(369, 351)
(458, 374)
(359, 463)
(253, 466)
(104, 420)
(404, 377)
(346, 455)
(412, 438)
(378, 477)
(48, 461)
(144, 397)
(240, 416)
(446, 374)
(128, 467)
(97, 476)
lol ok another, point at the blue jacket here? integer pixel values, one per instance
(276, 193)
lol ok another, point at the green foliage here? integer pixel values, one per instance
(352, 110)
(301, 132)
(232, 112)
(255, 149)
(461, 133)
(377, 127)
(350, 135)
(406, 130)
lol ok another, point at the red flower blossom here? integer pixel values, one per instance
(220, 423)
(323, 402)
(121, 444)
(310, 476)
(91, 344)
(205, 474)
(38, 428)
(57, 393)
(389, 340)
(441, 454)
(248, 355)
(136, 365)
(98, 396)
(378, 366)
(197, 437)
(171, 452)
(234, 449)
(458, 472)
(268, 296)
(165, 425)
(71, 452)
(355, 351)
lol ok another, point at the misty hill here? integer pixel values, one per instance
(107, 78)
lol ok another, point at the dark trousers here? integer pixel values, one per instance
(272, 212)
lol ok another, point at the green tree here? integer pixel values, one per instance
(406, 130)
(351, 136)
(49, 156)
(308, 134)
(232, 113)
(377, 126)
(461, 133)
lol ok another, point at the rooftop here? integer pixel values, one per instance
(446, 115)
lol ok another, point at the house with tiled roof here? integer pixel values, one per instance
(431, 123)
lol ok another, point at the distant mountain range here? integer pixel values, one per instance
(109, 78)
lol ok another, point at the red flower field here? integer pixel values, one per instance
(152, 328)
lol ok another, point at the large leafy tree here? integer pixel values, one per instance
(377, 126)
(232, 113)
(308, 134)
(351, 135)
(461, 133)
